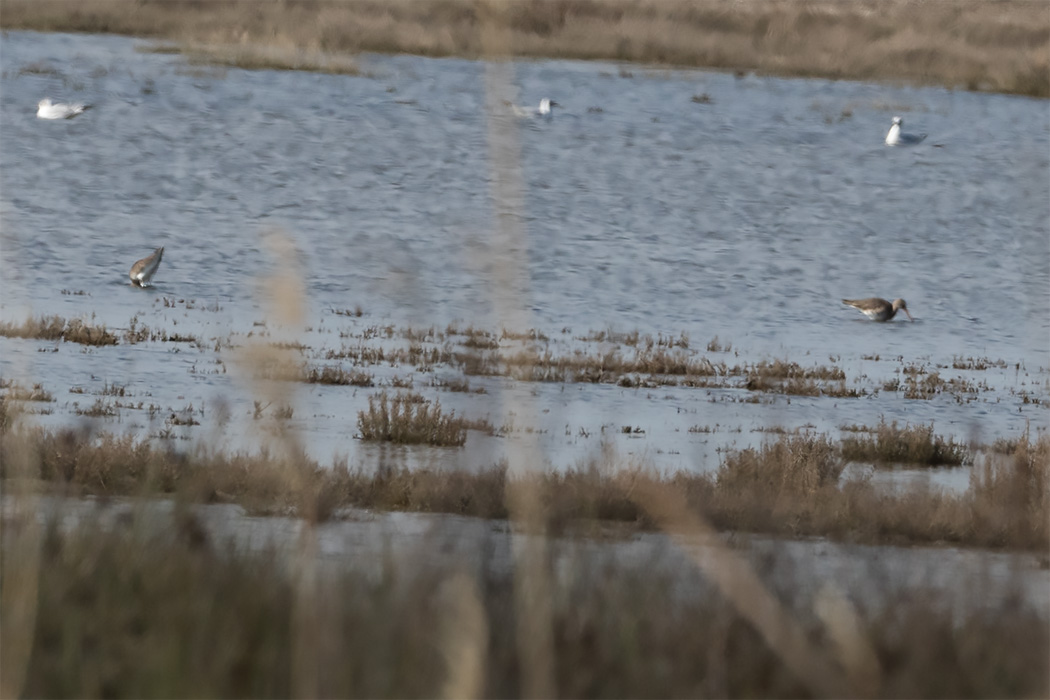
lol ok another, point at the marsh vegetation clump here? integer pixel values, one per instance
(339, 376)
(410, 419)
(795, 465)
(99, 409)
(785, 377)
(57, 328)
(790, 487)
(1012, 495)
(916, 445)
(16, 392)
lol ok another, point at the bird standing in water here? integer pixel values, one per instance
(878, 309)
(142, 271)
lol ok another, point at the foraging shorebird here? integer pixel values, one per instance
(46, 109)
(544, 110)
(142, 271)
(878, 309)
(895, 138)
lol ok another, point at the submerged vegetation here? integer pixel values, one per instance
(993, 45)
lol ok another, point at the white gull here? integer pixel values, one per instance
(544, 110)
(896, 138)
(46, 109)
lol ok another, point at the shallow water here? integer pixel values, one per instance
(746, 218)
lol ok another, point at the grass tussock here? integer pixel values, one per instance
(914, 445)
(994, 45)
(339, 376)
(114, 619)
(789, 487)
(798, 465)
(57, 328)
(1012, 498)
(16, 392)
(410, 419)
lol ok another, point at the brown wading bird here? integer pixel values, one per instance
(142, 271)
(878, 309)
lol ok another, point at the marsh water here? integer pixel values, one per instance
(668, 202)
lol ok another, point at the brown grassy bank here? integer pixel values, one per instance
(994, 45)
(790, 487)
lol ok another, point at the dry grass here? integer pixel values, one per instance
(262, 57)
(57, 328)
(789, 487)
(915, 445)
(995, 45)
(637, 361)
(338, 375)
(16, 392)
(115, 620)
(410, 419)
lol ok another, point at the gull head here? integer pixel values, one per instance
(46, 102)
(897, 121)
(545, 105)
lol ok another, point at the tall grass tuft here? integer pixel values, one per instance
(58, 328)
(908, 445)
(796, 465)
(1012, 496)
(409, 419)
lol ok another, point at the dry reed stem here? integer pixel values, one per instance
(736, 580)
(855, 651)
(286, 301)
(466, 634)
(532, 584)
(20, 573)
(20, 562)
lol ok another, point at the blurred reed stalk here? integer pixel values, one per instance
(20, 572)
(737, 581)
(21, 559)
(532, 584)
(286, 300)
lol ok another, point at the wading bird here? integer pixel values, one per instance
(878, 309)
(142, 271)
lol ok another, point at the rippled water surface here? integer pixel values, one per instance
(746, 215)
